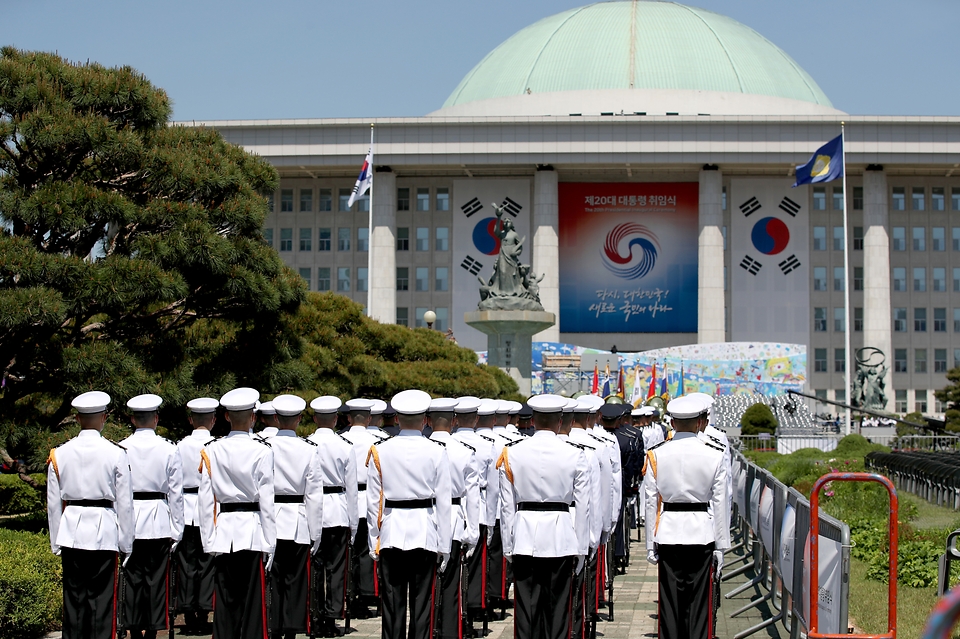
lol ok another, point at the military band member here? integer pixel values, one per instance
(298, 499)
(90, 514)
(338, 468)
(237, 519)
(686, 478)
(540, 477)
(409, 514)
(195, 585)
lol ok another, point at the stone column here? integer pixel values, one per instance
(383, 247)
(711, 309)
(546, 246)
(877, 313)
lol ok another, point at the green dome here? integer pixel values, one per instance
(637, 44)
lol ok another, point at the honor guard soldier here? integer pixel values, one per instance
(512, 427)
(195, 583)
(685, 487)
(540, 478)
(237, 520)
(409, 512)
(465, 513)
(525, 420)
(338, 469)
(90, 514)
(498, 582)
(298, 500)
(376, 418)
(267, 416)
(157, 481)
(389, 421)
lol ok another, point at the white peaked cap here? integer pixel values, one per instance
(443, 405)
(411, 402)
(488, 406)
(145, 403)
(707, 399)
(547, 403)
(595, 402)
(583, 406)
(378, 407)
(326, 404)
(360, 404)
(240, 399)
(687, 407)
(266, 408)
(570, 406)
(503, 407)
(91, 402)
(202, 405)
(288, 405)
(468, 404)
(515, 407)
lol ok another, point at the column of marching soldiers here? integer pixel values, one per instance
(426, 510)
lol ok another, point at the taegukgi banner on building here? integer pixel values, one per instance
(628, 257)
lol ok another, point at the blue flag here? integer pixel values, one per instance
(606, 388)
(825, 165)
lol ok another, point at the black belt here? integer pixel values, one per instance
(191, 490)
(288, 499)
(90, 503)
(149, 496)
(333, 490)
(544, 506)
(240, 507)
(684, 507)
(455, 501)
(411, 503)
(361, 487)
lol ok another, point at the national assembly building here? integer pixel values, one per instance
(645, 152)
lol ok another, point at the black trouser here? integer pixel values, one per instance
(450, 616)
(477, 573)
(543, 590)
(579, 619)
(89, 593)
(497, 588)
(592, 586)
(195, 578)
(407, 573)
(147, 592)
(619, 546)
(364, 580)
(331, 564)
(686, 583)
(240, 602)
(289, 586)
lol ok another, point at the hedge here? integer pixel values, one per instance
(16, 496)
(31, 585)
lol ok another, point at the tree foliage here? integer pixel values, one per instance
(949, 396)
(758, 419)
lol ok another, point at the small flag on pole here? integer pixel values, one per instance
(825, 165)
(365, 180)
(621, 391)
(663, 381)
(653, 381)
(595, 387)
(635, 396)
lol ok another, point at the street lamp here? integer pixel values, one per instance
(430, 317)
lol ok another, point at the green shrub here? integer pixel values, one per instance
(856, 446)
(31, 586)
(16, 496)
(758, 419)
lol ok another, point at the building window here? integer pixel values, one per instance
(403, 238)
(306, 239)
(838, 238)
(858, 238)
(920, 279)
(270, 202)
(286, 200)
(305, 274)
(421, 311)
(423, 238)
(819, 278)
(820, 393)
(820, 360)
(819, 198)
(939, 320)
(306, 200)
(920, 320)
(363, 239)
(917, 200)
(840, 395)
(723, 199)
(838, 198)
(723, 232)
(937, 405)
(838, 324)
(268, 237)
(920, 401)
(955, 237)
(819, 238)
(443, 239)
(858, 198)
(858, 278)
(362, 279)
(919, 238)
(403, 278)
(939, 279)
(326, 200)
(939, 360)
(403, 202)
(955, 199)
(898, 200)
(423, 199)
(363, 202)
(899, 278)
(324, 237)
(343, 278)
(899, 238)
(286, 239)
(443, 199)
(938, 238)
(838, 278)
(858, 319)
(901, 401)
(920, 360)
(956, 320)
(899, 320)
(344, 200)
(899, 360)
(442, 281)
(323, 278)
(956, 357)
(820, 319)
(839, 360)
(423, 278)
(443, 321)
(343, 238)
(403, 317)
(936, 198)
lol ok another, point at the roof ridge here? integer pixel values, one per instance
(736, 71)
(573, 13)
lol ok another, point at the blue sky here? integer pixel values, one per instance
(318, 58)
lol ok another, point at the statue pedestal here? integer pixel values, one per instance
(509, 339)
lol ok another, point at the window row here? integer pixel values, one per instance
(324, 237)
(820, 238)
(919, 401)
(441, 278)
(839, 325)
(900, 360)
(820, 278)
(441, 324)
(344, 283)
(426, 200)
(938, 281)
(920, 198)
(918, 238)
(900, 320)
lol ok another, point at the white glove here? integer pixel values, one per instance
(490, 530)
(470, 551)
(269, 562)
(444, 558)
(604, 538)
(173, 546)
(315, 548)
(126, 559)
(718, 557)
(652, 557)
(580, 562)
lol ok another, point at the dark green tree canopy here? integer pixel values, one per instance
(949, 396)
(758, 419)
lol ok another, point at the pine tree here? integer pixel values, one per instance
(949, 396)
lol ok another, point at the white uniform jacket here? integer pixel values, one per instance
(599, 517)
(237, 469)
(465, 487)
(296, 474)
(489, 479)
(544, 469)
(616, 473)
(338, 470)
(155, 468)
(89, 467)
(405, 468)
(652, 435)
(719, 438)
(362, 439)
(189, 450)
(687, 471)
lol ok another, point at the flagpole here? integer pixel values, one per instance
(370, 233)
(848, 368)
